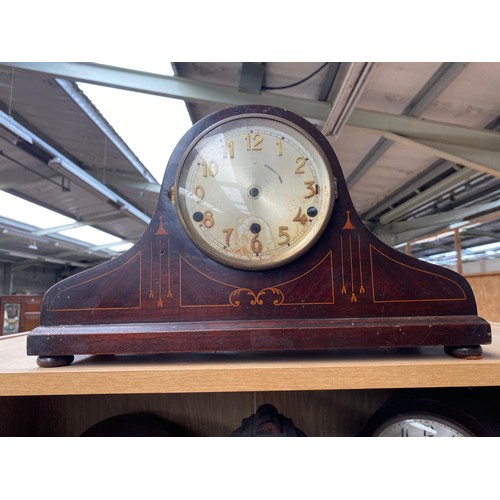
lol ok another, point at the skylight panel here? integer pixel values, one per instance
(150, 125)
(121, 248)
(16, 208)
(91, 236)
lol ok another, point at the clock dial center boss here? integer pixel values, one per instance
(254, 191)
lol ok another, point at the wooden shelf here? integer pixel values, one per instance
(341, 369)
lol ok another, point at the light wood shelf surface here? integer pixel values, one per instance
(341, 369)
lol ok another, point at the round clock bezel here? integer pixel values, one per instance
(273, 115)
(457, 408)
(422, 416)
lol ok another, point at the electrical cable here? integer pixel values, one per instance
(266, 87)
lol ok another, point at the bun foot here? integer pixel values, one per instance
(465, 351)
(53, 361)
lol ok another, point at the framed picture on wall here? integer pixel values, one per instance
(11, 317)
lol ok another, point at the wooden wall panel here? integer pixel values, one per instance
(316, 413)
(486, 288)
(19, 416)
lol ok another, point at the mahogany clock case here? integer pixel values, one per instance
(350, 290)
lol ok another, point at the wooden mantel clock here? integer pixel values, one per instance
(255, 245)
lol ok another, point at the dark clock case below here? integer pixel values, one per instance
(460, 408)
(349, 291)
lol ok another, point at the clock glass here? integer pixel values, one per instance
(254, 191)
(421, 425)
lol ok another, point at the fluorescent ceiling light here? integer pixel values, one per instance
(15, 128)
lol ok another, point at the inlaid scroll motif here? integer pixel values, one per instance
(198, 289)
(272, 293)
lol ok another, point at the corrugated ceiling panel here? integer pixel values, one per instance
(352, 146)
(393, 85)
(473, 100)
(51, 113)
(396, 167)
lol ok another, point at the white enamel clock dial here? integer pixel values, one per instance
(254, 191)
(421, 425)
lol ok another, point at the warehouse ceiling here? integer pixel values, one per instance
(419, 144)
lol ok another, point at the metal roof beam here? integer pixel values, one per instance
(124, 181)
(41, 258)
(86, 106)
(403, 231)
(12, 230)
(171, 86)
(428, 195)
(375, 153)
(330, 77)
(412, 187)
(445, 74)
(475, 158)
(30, 173)
(448, 217)
(69, 169)
(478, 149)
(11, 180)
(479, 233)
(347, 89)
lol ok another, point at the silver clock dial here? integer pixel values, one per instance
(420, 425)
